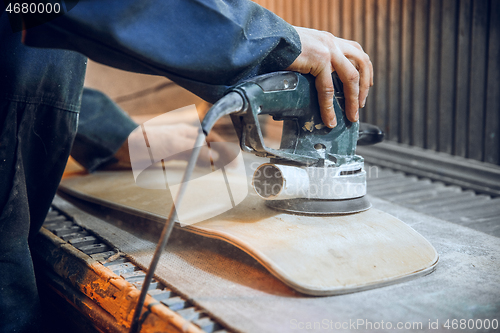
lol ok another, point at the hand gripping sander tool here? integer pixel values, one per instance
(315, 170)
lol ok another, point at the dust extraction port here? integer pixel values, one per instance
(268, 181)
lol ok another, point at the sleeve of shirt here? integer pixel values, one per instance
(102, 129)
(204, 46)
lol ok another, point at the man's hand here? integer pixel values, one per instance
(177, 138)
(323, 53)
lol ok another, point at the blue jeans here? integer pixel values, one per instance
(40, 92)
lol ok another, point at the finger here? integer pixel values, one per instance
(355, 44)
(365, 81)
(349, 76)
(326, 93)
(371, 74)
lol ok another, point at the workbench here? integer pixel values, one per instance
(224, 289)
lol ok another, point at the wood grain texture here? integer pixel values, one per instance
(313, 255)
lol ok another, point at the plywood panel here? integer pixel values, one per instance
(315, 255)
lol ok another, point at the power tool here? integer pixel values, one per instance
(315, 170)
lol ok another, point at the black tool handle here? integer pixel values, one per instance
(369, 134)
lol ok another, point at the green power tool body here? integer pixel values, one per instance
(316, 169)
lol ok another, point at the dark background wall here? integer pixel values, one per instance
(436, 62)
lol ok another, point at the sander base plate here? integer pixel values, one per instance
(305, 206)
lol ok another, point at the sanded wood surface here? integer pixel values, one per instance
(313, 255)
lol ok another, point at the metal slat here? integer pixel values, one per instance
(485, 209)
(370, 48)
(415, 198)
(447, 75)
(463, 78)
(406, 71)
(357, 21)
(492, 130)
(384, 187)
(315, 15)
(380, 84)
(452, 209)
(394, 75)
(375, 176)
(305, 14)
(347, 19)
(418, 196)
(478, 77)
(432, 85)
(442, 197)
(405, 190)
(419, 99)
(436, 199)
(334, 25)
(383, 180)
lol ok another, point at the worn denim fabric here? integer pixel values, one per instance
(102, 129)
(203, 45)
(40, 93)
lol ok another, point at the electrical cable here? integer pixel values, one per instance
(167, 230)
(232, 102)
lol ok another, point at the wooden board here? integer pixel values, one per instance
(313, 255)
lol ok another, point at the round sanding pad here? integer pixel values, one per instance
(320, 206)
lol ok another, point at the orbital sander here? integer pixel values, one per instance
(316, 170)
